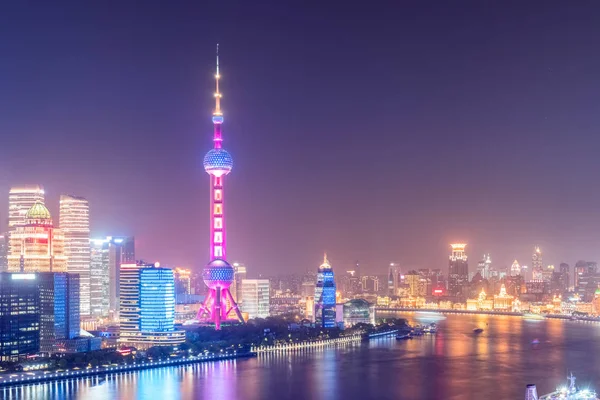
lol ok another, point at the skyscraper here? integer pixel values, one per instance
(458, 269)
(35, 245)
(240, 275)
(20, 200)
(515, 268)
(183, 281)
(106, 258)
(147, 315)
(4, 253)
(19, 315)
(255, 300)
(75, 224)
(565, 276)
(537, 270)
(325, 296)
(218, 274)
(484, 266)
(59, 309)
(99, 278)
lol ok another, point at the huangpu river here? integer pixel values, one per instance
(453, 364)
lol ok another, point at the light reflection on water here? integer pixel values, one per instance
(453, 364)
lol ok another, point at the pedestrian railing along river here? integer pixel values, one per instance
(23, 378)
(282, 347)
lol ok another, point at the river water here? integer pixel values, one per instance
(453, 364)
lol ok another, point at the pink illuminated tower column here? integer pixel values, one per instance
(218, 275)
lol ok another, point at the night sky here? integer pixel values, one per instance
(375, 131)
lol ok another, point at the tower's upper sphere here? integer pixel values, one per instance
(218, 162)
(218, 273)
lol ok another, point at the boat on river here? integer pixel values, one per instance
(570, 392)
(533, 316)
(404, 337)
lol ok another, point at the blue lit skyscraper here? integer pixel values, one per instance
(325, 296)
(157, 300)
(147, 315)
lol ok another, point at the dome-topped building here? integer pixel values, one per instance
(38, 212)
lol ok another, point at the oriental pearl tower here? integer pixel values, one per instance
(218, 274)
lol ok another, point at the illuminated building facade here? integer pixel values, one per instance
(358, 311)
(484, 267)
(3, 253)
(106, 257)
(183, 281)
(240, 275)
(35, 245)
(20, 200)
(59, 309)
(537, 270)
(75, 225)
(564, 276)
(503, 301)
(218, 274)
(19, 316)
(515, 268)
(325, 311)
(147, 314)
(458, 270)
(256, 294)
(99, 282)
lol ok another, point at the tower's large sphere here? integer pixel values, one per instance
(218, 273)
(218, 162)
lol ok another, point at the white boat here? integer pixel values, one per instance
(431, 328)
(571, 392)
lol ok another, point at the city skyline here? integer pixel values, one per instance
(455, 131)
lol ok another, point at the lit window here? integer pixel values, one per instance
(217, 195)
(218, 237)
(218, 209)
(218, 251)
(218, 223)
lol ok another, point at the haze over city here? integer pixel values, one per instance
(375, 133)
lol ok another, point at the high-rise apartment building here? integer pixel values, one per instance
(147, 313)
(537, 269)
(75, 225)
(19, 315)
(256, 295)
(20, 200)
(325, 310)
(484, 267)
(458, 270)
(35, 245)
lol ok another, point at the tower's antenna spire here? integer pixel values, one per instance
(217, 93)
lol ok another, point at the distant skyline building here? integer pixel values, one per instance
(564, 270)
(106, 257)
(20, 200)
(325, 296)
(240, 275)
(218, 274)
(147, 307)
(99, 278)
(458, 269)
(256, 295)
(537, 269)
(484, 267)
(35, 245)
(183, 281)
(515, 268)
(75, 225)
(4, 252)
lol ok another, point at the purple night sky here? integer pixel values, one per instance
(375, 133)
